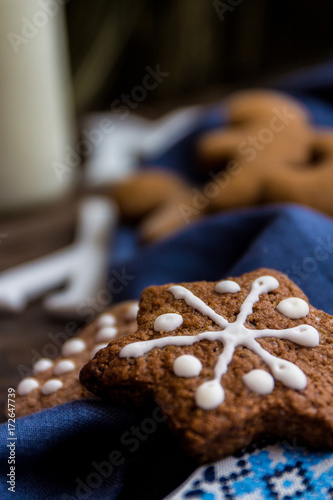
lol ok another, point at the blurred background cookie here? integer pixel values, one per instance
(268, 151)
(56, 381)
(152, 198)
(279, 154)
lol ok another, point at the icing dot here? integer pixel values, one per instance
(132, 312)
(27, 385)
(259, 381)
(227, 286)
(187, 366)
(63, 367)
(97, 348)
(106, 333)
(209, 395)
(106, 320)
(267, 283)
(168, 322)
(289, 374)
(51, 386)
(308, 336)
(73, 346)
(293, 308)
(42, 364)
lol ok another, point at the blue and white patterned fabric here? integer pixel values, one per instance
(263, 471)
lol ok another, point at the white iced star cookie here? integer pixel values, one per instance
(226, 361)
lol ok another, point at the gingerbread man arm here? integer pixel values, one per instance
(143, 192)
(153, 197)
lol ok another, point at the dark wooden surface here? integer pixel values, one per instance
(23, 336)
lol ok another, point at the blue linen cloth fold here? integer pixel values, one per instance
(94, 449)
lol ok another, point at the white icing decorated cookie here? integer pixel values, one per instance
(57, 381)
(231, 335)
(235, 369)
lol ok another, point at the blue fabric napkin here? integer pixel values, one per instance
(94, 449)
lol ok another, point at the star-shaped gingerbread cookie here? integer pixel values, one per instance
(227, 362)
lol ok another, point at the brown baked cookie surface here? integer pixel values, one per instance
(227, 362)
(54, 382)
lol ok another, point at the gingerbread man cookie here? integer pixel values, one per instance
(277, 154)
(54, 382)
(269, 152)
(227, 362)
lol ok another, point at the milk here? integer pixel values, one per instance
(36, 108)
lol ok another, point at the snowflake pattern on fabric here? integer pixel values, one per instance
(263, 471)
(210, 394)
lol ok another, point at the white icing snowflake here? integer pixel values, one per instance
(210, 394)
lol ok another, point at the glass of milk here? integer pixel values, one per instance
(37, 123)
